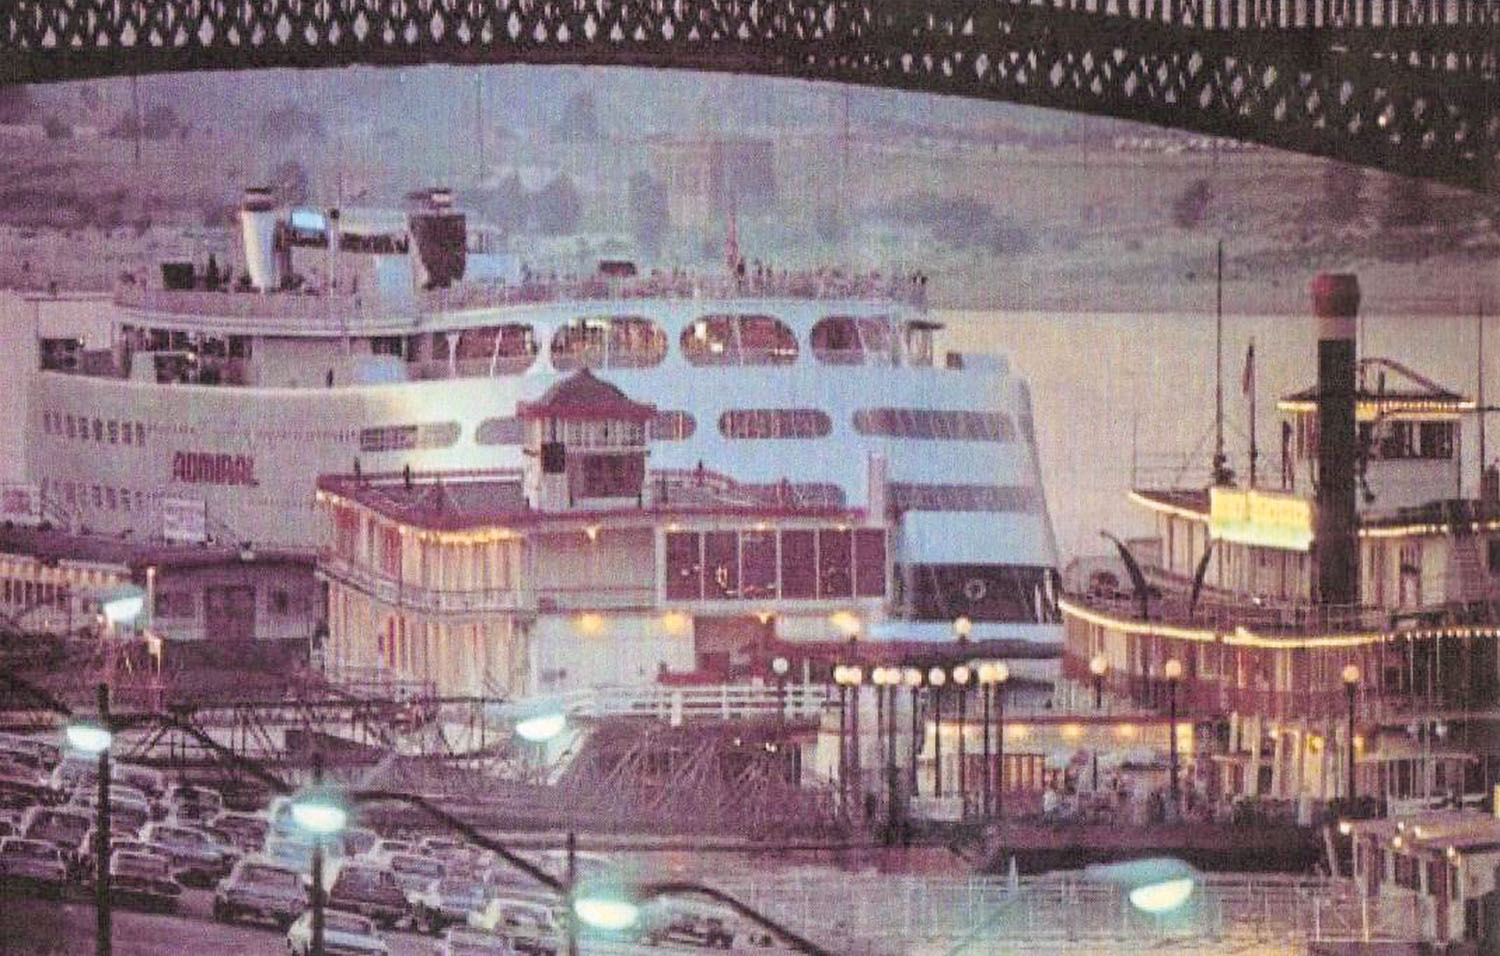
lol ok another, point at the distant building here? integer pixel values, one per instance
(706, 176)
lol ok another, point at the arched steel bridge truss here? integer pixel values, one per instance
(1402, 85)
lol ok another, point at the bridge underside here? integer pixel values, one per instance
(1402, 85)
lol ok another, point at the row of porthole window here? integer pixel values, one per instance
(738, 424)
(638, 342)
(100, 430)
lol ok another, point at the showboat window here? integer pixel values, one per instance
(495, 350)
(852, 340)
(673, 425)
(758, 423)
(499, 431)
(739, 340)
(427, 436)
(930, 423)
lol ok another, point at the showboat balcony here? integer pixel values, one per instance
(314, 311)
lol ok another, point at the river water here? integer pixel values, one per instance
(1113, 390)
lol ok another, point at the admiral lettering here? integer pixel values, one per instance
(203, 468)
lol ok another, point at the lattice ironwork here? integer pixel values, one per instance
(1401, 85)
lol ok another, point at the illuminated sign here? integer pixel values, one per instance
(1260, 518)
(203, 468)
(184, 520)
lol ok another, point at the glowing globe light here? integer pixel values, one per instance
(1163, 897)
(605, 913)
(541, 728)
(89, 738)
(319, 816)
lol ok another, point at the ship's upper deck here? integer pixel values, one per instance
(321, 312)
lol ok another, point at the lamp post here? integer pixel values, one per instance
(1002, 674)
(779, 667)
(856, 678)
(893, 796)
(936, 678)
(986, 686)
(96, 739)
(1098, 664)
(1173, 671)
(1351, 682)
(317, 812)
(961, 676)
(841, 680)
(912, 678)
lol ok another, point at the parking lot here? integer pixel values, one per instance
(188, 873)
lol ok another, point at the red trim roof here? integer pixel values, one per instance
(582, 397)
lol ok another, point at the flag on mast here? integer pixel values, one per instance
(1247, 381)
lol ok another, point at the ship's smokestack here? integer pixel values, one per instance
(258, 231)
(1336, 303)
(440, 236)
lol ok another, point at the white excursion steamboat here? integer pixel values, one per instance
(206, 400)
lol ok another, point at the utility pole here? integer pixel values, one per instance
(103, 930)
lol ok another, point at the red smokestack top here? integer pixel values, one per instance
(1335, 295)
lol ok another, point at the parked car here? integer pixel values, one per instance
(698, 924)
(383, 848)
(47, 752)
(260, 889)
(82, 865)
(359, 840)
(150, 781)
(467, 942)
(529, 926)
(371, 891)
(440, 847)
(31, 864)
(246, 832)
(446, 902)
(191, 806)
(415, 872)
(144, 879)
(128, 809)
(59, 826)
(197, 858)
(347, 934)
(21, 786)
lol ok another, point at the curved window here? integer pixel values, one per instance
(739, 340)
(580, 344)
(409, 437)
(498, 431)
(850, 340)
(1021, 499)
(495, 350)
(673, 425)
(636, 342)
(755, 423)
(608, 342)
(935, 423)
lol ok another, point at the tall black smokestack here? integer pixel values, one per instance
(1336, 303)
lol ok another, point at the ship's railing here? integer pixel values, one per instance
(698, 702)
(1263, 616)
(401, 593)
(820, 284)
(288, 311)
(335, 311)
